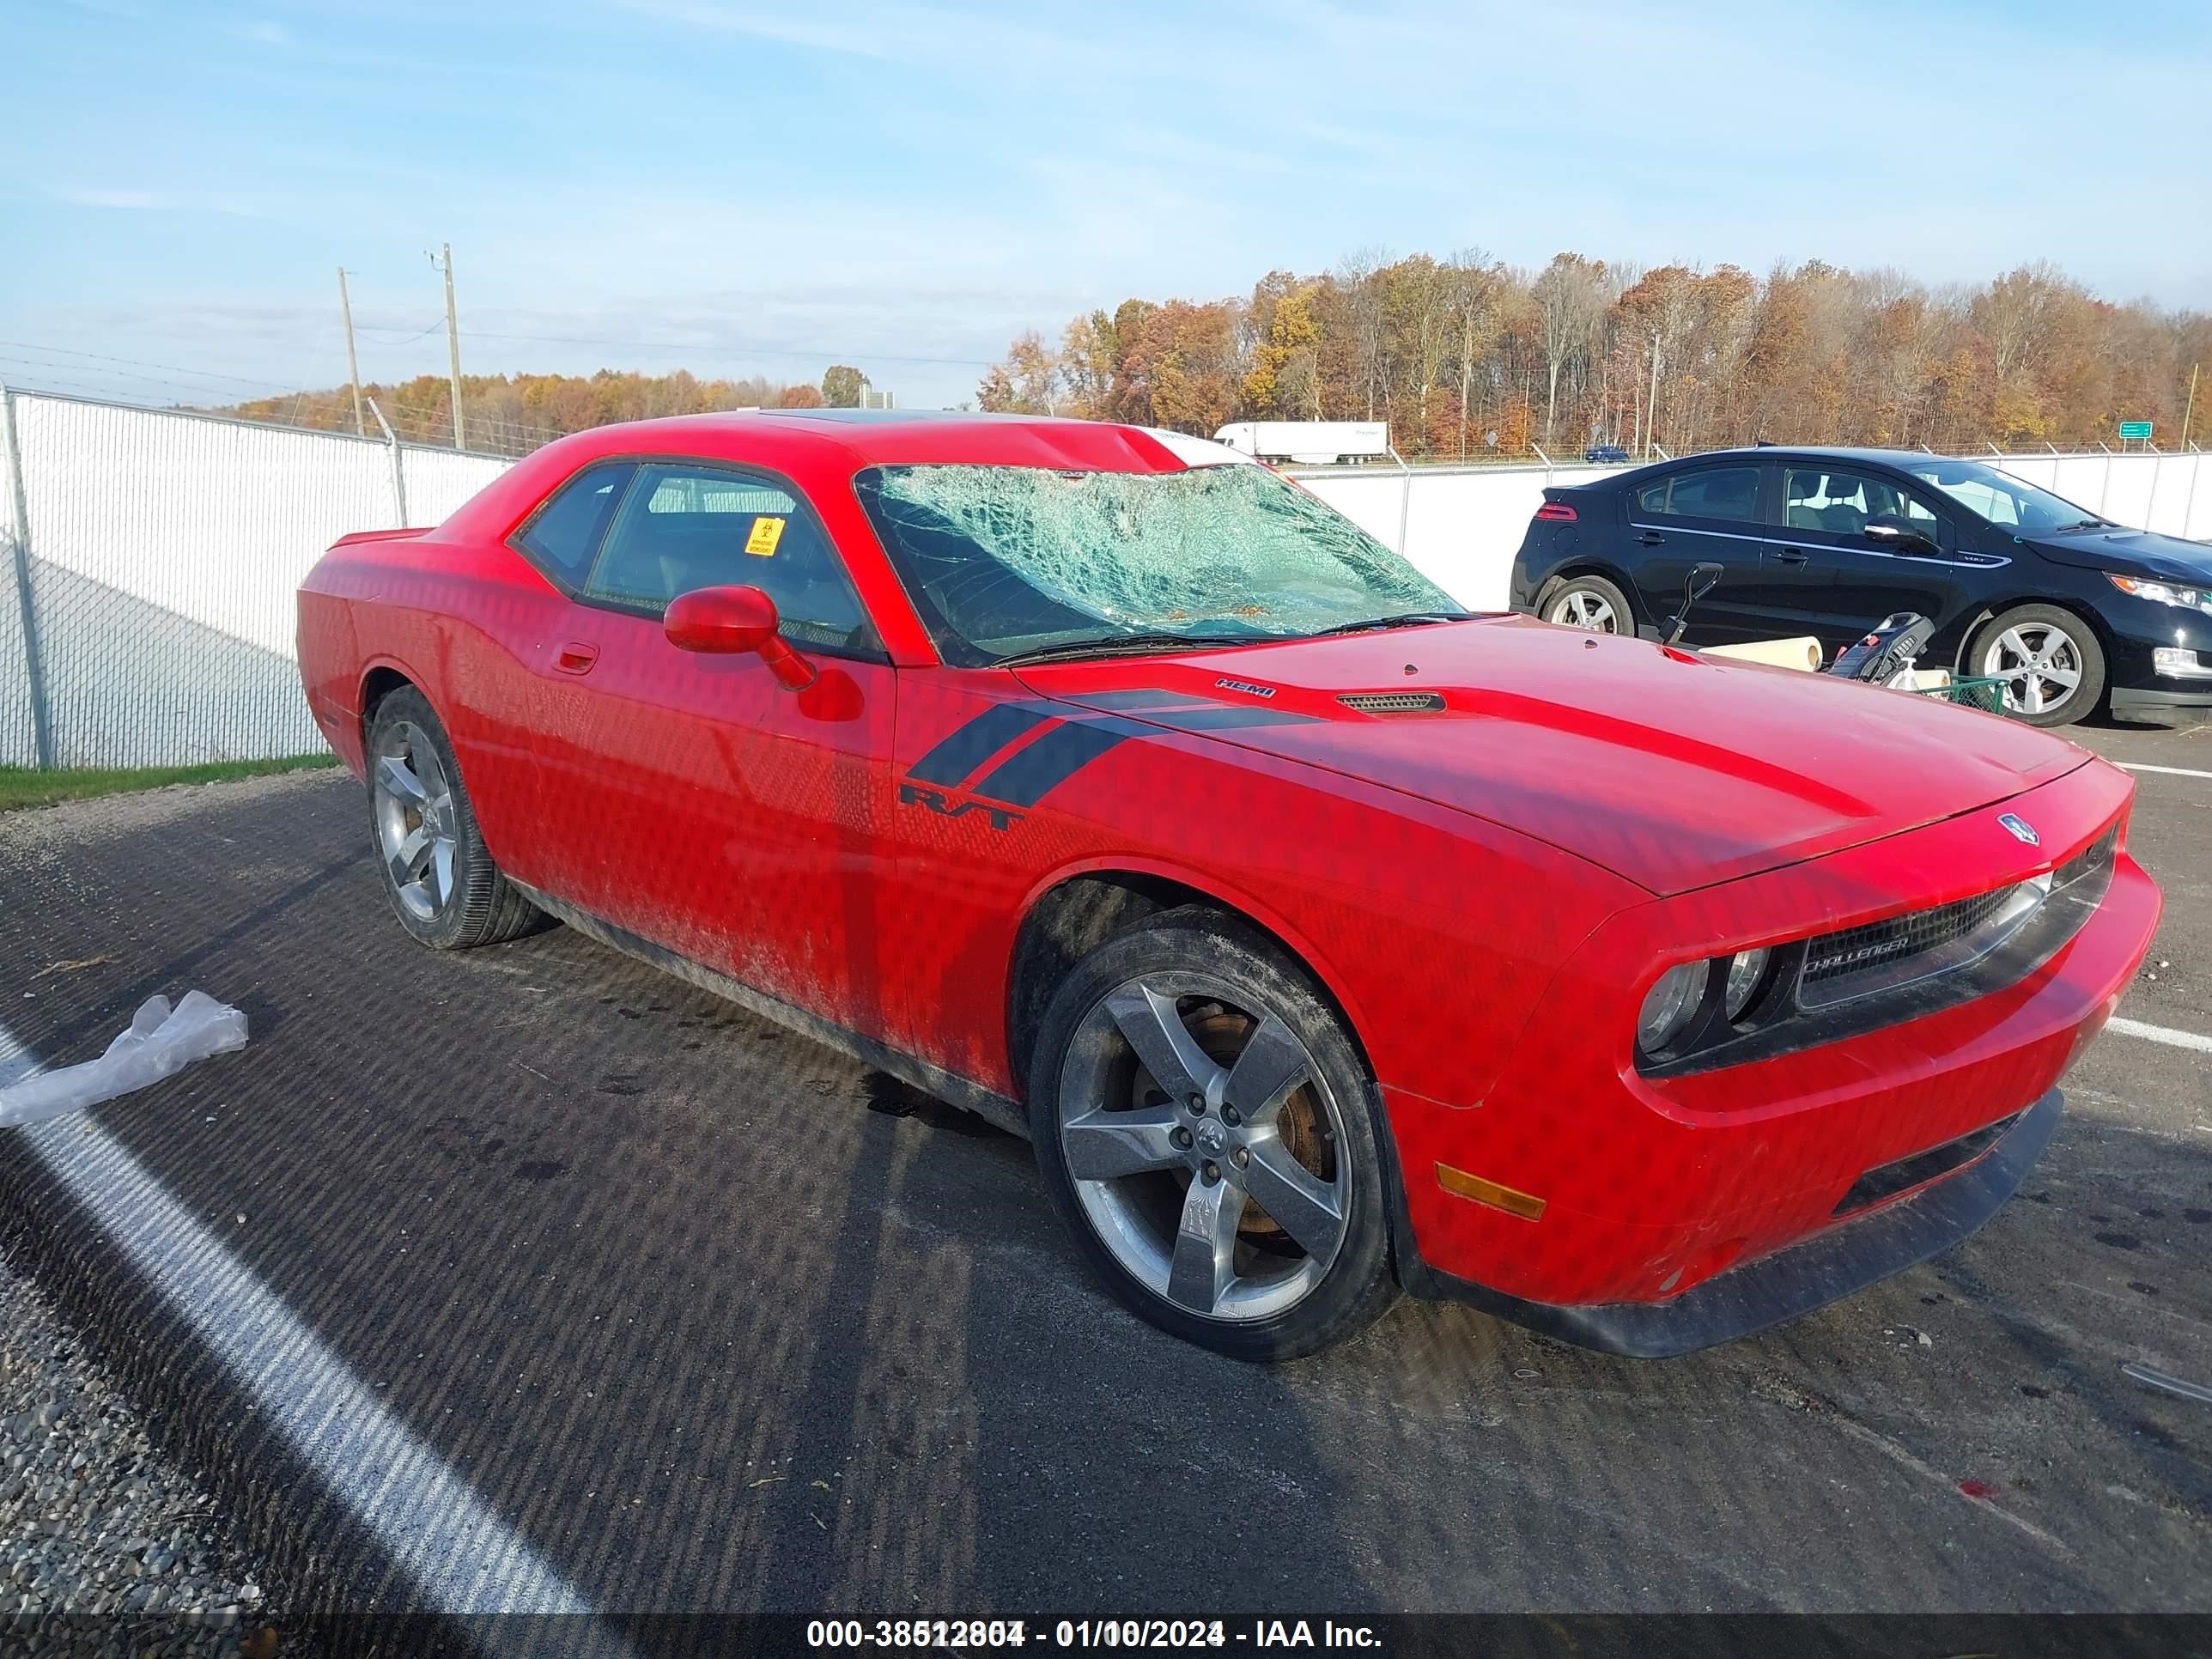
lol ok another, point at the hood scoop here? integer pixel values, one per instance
(1393, 702)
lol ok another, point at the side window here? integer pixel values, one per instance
(683, 526)
(564, 534)
(1842, 502)
(1717, 492)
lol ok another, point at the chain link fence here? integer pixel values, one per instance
(150, 560)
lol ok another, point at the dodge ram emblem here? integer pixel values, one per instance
(2021, 828)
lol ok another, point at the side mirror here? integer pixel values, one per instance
(727, 622)
(1699, 582)
(1901, 537)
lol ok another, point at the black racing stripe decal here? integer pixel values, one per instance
(1028, 776)
(1145, 700)
(1226, 717)
(966, 747)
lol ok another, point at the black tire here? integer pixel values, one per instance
(1321, 1301)
(2035, 624)
(1592, 593)
(475, 904)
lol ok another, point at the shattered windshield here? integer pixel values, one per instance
(1002, 561)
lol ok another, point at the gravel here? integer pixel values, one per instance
(105, 1547)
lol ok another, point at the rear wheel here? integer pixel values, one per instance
(1591, 603)
(438, 875)
(2050, 661)
(1210, 1135)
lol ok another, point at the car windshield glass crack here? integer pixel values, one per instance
(1011, 558)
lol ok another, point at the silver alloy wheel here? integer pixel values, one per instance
(1219, 1180)
(1583, 608)
(2040, 664)
(415, 824)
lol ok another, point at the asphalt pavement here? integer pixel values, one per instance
(689, 1314)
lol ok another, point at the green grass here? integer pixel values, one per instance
(22, 787)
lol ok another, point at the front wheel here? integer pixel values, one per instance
(2049, 658)
(1211, 1138)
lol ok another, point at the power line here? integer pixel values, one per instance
(201, 388)
(410, 339)
(173, 368)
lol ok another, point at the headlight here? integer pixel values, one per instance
(1745, 974)
(2189, 599)
(1669, 1005)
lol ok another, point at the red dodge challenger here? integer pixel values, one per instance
(1324, 939)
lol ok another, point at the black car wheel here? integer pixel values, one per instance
(1591, 603)
(2050, 661)
(438, 875)
(1210, 1135)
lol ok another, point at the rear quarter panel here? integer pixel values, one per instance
(465, 624)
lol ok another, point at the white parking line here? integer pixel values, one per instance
(2169, 771)
(2136, 1028)
(461, 1556)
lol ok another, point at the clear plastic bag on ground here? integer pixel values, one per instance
(162, 1042)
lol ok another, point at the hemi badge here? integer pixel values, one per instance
(1459, 1183)
(1246, 686)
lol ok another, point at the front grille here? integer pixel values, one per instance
(1856, 950)
(1858, 961)
(1393, 702)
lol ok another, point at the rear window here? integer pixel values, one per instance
(1720, 492)
(565, 535)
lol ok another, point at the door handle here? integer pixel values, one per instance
(576, 657)
(1792, 555)
(1652, 538)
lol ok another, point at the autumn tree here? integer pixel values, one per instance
(841, 384)
(1569, 303)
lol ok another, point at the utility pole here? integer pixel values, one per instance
(2189, 408)
(452, 344)
(353, 366)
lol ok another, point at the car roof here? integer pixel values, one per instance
(1814, 452)
(855, 438)
(1904, 458)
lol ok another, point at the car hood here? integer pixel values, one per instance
(2131, 553)
(1672, 769)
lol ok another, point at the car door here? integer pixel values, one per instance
(1707, 514)
(700, 804)
(1845, 580)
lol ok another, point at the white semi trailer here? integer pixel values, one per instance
(1308, 443)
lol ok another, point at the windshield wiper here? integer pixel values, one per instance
(1120, 645)
(1407, 619)
(2088, 524)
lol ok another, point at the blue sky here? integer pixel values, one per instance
(771, 187)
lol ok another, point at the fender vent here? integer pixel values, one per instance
(1393, 702)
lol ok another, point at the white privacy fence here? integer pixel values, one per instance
(146, 592)
(149, 559)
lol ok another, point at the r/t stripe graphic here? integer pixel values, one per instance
(966, 747)
(1028, 776)
(1074, 736)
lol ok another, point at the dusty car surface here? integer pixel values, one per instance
(1325, 940)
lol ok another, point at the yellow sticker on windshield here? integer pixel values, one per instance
(767, 533)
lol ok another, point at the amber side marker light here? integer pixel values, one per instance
(1461, 1184)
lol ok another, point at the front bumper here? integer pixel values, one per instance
(1583, 1196)
(1849, 1257)
(2144, 706)
(2142, 689)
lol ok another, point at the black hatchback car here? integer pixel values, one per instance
(2068, 609)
